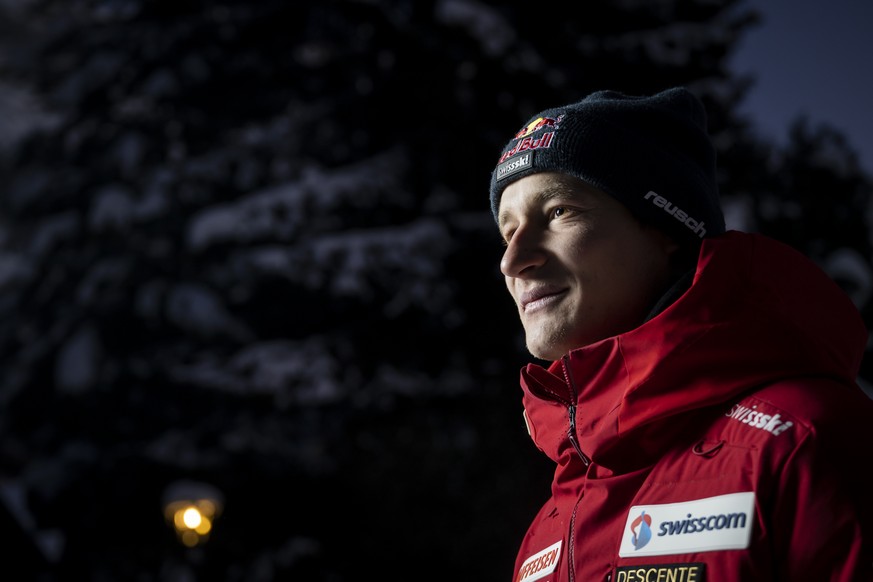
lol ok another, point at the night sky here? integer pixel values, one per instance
(813, 58)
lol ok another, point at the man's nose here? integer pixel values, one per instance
(524, 252)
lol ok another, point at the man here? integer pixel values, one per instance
(700, 402)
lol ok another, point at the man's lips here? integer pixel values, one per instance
(539, 296)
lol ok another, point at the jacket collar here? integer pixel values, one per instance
(632, 394)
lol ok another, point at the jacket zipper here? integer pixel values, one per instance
(571, 432)
(571, 571)
(571, 435)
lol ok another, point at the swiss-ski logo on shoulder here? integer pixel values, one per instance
(772, 423)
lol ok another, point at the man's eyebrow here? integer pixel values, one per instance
(547, 194)
(557, 191)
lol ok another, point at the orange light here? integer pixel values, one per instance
(191, 509)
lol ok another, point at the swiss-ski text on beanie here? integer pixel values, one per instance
(651, 153)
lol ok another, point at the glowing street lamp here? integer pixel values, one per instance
(191, 508)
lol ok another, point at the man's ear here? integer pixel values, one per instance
(682, 256)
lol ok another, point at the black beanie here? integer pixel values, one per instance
(651, 153)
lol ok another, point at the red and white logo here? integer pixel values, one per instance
(540, 564)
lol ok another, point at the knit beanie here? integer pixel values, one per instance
(651, 153)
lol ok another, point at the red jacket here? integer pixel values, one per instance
(724, 439)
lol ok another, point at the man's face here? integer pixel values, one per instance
(580, 267)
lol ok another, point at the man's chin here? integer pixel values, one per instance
(545, 350)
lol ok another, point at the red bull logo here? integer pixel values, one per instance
(537, 124)
(528, 143)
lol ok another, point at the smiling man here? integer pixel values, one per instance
(578, 255)
(698, 392)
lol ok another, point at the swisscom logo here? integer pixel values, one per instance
(641, 530)
(723, 522)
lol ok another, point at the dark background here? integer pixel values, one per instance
(248, 244)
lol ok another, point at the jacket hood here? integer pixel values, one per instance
(757, 311)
